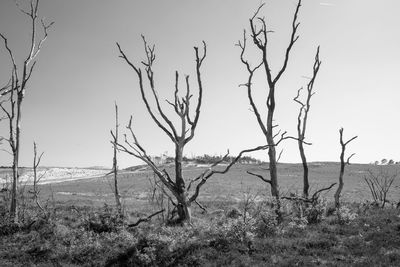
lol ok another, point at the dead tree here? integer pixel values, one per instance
(14, 92)
(185, 192)
(259, 35)
(36, 178)
(379, 185)
(302, 121)
(115, 162)
(343, 164)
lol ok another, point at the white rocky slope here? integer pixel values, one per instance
(57, 175)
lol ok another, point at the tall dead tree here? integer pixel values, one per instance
(343, 164)
(302, 121)
(259, 35)
(14, 91)
(184, 191)
(115, 162)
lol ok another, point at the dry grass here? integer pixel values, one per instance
(135, 185)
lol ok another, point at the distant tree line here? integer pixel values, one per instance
(386, 162)
(208, 159)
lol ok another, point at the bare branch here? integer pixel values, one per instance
(259, 176)
(251, 72)
(14, 65)
(136, 150)
(279, 156)
(293, 39)
(146, 219)
(150, 76)
(45, 27)
(208, 170)
(313, 200)
(122, 55)
(199, 62)
(201, 206)
(258, 42)
(211, 172)
(3, 90)
(144, 98)
(296, 98)
(348, 159)
(317, 193)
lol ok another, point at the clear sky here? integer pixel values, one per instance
(69, 105)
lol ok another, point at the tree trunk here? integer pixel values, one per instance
(184, 211)
(14, 189)
(340, 187)
(273, 171)
(306, 184)
(343, 164)
(271, 143)
(116, 191)
(115, 165)
(272, 153)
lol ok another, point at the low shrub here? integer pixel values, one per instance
(266, 224)
(345, 215)
(315, 212)
(106, 220)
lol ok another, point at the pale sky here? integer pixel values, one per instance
(69, 105)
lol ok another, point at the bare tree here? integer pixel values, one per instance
(36, 178)
(302, 121)
(184, 192)
(14, 91)
(259, 35)
(343, 164)
(379, 185)
(115, 162)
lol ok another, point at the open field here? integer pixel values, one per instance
(135, 185)
(79, 230)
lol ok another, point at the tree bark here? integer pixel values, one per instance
(14, 189)
(306, 185)
(184, 209)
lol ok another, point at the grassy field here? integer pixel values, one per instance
(135, 186)
(239, 229)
